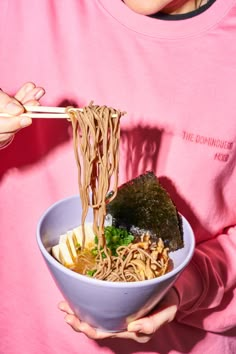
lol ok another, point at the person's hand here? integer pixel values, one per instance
(140, 330)
(28, 94)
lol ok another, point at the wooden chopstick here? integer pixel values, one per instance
(45, 112)
(42, 112)
(46, 109)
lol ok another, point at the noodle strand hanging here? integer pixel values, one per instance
(96, 136)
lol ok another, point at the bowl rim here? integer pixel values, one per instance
(106, 283)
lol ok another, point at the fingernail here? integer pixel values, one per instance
(24, 122)
(39, 94)
(13, 108)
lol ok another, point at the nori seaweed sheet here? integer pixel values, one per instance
(142, 204)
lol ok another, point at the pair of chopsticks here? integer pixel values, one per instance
(46, 112)
(43, 112)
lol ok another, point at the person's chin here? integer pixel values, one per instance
(144, 7)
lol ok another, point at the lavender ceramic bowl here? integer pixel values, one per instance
(105, 305)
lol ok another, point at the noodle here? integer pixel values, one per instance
(133, 263)
(96, 135)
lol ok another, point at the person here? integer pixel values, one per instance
(170, 64)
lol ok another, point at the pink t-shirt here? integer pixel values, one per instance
(176, 81)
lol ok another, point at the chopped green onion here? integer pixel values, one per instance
(115, 237)
(90, 273)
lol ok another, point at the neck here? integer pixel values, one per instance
(183, 6)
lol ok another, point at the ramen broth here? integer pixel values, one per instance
(85, 261)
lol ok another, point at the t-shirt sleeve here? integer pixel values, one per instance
(207, 288)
